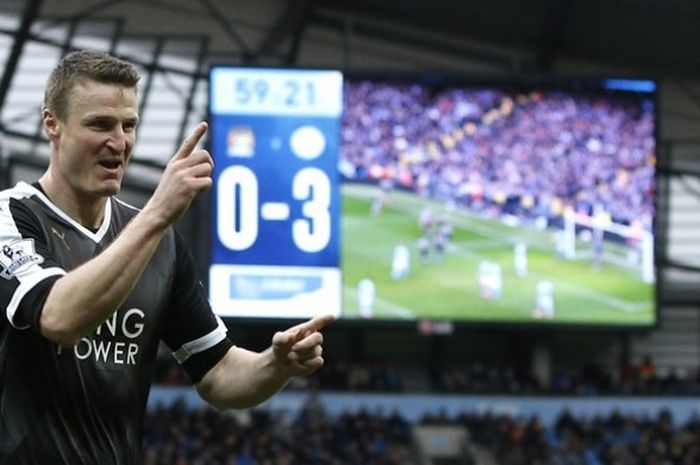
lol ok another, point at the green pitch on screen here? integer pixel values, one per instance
(449, 289)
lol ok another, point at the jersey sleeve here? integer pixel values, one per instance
(28, 270)
(193, 332)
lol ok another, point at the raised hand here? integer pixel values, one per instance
(299, 349)
(188, 172)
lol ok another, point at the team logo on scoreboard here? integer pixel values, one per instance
(240, 142)
(17, 257)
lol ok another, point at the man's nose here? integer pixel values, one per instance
(118, 140)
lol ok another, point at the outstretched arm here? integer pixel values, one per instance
(244, 378)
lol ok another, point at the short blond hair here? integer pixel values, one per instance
(83, 65)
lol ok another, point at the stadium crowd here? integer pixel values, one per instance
(614, 439)
(182, 435)
(643, 378)
(178, 435)
(588, 380)
(522, 153)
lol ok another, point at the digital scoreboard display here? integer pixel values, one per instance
(488, 202)
(276, 197)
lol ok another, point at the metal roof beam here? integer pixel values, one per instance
(30, 14)
(290, 23)
(218, 16)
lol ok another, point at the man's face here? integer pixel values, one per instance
(94, 140)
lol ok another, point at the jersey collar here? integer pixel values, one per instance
(96, 236)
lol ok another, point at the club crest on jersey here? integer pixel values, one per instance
(17, 257)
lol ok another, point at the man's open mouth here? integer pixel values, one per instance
(111, 164)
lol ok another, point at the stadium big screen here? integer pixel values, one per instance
(471, 202)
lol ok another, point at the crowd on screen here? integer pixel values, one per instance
(533, 153)
(180, 435)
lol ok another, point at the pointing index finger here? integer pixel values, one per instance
(191, 142)
(317, 323)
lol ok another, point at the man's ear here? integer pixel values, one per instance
(52, 125)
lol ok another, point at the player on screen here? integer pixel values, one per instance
(381, 195)
(400, 262)
(425, 220)
(423, 246)
(490, 279)
(544, 300)
(89, 286)
(439, 245)
(366, 293)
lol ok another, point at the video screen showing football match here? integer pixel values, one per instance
(499, 204)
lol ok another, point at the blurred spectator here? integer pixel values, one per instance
(178, 435)
(478, 378)
(647, 369)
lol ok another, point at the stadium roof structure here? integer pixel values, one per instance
(637, 37)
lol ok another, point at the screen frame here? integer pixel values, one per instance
(522, 81)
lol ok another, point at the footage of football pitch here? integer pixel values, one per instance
(447, 288)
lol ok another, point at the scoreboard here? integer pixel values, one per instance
(276, 197)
